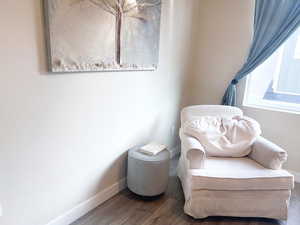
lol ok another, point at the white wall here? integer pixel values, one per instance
(225, 28)
(64, 138)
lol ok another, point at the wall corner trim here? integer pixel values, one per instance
(89, 204)
(174, 151)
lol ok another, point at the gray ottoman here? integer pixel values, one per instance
(148, 175)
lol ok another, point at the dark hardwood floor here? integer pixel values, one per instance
(128, 209)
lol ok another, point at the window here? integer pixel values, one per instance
(276, 83)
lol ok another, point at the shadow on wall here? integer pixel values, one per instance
(40, 36)
(189, 68)
(116, 170)
(221, 47)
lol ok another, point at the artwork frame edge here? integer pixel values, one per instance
(50, 69)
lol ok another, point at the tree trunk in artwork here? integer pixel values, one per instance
(119, 20)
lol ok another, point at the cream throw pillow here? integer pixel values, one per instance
(224, 137)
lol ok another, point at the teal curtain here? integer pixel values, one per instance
(274, 22)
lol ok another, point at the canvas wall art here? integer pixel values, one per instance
(103, 35)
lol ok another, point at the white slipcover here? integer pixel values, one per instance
(252, 186)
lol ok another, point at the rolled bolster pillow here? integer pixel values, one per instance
(268, 154)
(196, 158)
(194, 151)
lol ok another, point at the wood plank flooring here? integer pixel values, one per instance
(128, 209)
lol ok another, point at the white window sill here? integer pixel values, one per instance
(274, 106)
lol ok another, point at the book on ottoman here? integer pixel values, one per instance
(152, 148)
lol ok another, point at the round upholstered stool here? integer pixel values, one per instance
(148, 175)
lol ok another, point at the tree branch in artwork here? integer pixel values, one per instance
(120, 9)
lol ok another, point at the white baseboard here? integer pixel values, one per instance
(91, 203)
(174, 151)
(296, 176)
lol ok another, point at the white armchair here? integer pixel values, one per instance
(252, 186)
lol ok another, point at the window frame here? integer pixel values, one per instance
(268, 104)
(273, 98)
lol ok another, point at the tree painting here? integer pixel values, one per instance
(103, 35)
(121, 9)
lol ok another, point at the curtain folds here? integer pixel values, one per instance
(274, 22)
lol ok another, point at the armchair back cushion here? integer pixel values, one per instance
(193, 112)
(224, 137)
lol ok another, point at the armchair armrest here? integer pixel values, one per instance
(268, 154)
(192, 151)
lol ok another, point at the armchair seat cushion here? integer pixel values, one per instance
(238, 174)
